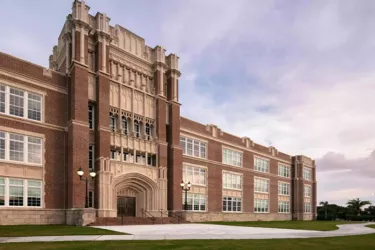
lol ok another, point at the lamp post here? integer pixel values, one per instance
(185, 187)
(92, 174)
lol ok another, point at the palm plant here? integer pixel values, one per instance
(325, 204)
(357, 204)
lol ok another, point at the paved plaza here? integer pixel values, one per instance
(199, 231)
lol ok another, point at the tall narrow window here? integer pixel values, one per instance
(15, 192)
(2, 99)
(91, 199)
(16, 106)
(91, 116)
(34, 107)
(16, 149)
(125, 125)
(2, 145)
(136, 128)
(112, 122)
(113, 154)
(148, 131)
(91, 157)
(34, 148)
(34, 193)
(2, 191)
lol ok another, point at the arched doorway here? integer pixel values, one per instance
(134, 192)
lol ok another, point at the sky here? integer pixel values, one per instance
(297, 75)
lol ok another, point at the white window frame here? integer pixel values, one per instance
(92, 151)
(25, 102)
(283, 170)
(232, 176)
(235, 159)
(283, 188)
(260, 168)
(283, 207)
(137, 129)
(307, 173)
(190, 197)
(186, 167)
(112, 118)
(307, 191)
(261, 180)
(233, 199)
(25, 142)
(307, 207)
(256, 209)
(92, 112)
(25, 187)
(202, 150)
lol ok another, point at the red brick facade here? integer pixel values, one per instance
(71, 85)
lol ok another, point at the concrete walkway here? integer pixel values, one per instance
(199, 231)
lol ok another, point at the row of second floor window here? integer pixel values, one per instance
(198, 203)
(198, 176)
(20, 103)
(138, 128)
(197, 148)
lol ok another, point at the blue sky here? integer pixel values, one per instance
(295, 74)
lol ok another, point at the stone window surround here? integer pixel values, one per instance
(196, 166)
(262, 158)
(233, 173)
(195, 139)
(305, 194)
(305, 208)
(283, 165)
(237, 198)
(234, 150)
(27, 89)
(278, 211)
(262, 178)
(268, 207)
(307, 169)
(283, 182)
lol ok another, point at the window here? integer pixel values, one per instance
(125, 125)
(34, 150)
(136, 128)
(232, 204)
(34, 107)
(20, 148)
(2, 191)
(193, 147)
(307, 207)
(141, 159)
(2, 145)
(151, 160)
(113, 154)
(128, 156)
(2, 99)
(20, 103)
(34, 193)
(16, 147)
(260, 205)
(91, 116)
(15, 192)
(261, 185)
(307, 191)
(20, 193)
(261, 165)
(195, 202)
(112, 122)
(16, 102)
(307, 173)
(91, 157)
(91, 199)
(148, 131)
(231, 157)
(232, 181)
(284, 188)
(195, 175)
(284, 207)
(283, 170)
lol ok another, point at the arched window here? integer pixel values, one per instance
(148, 131)
(125, 125)
(136, 128)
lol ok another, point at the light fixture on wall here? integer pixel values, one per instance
(185, 187)
(80, 172)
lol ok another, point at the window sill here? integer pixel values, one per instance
(21, 163)
(261, 212)
(22, 118)
(20, 207)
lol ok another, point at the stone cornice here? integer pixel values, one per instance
(174, 71)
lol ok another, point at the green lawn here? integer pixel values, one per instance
(348, 242)
(50, 230)
(304, 225)
(372, 226)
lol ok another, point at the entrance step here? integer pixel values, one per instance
(116, 221)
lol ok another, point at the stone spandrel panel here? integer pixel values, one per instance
(138, 103)
(126, 99)
(119, 168)
(150, 107)
(92, 87)
(114, 95)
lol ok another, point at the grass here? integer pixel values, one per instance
(371, 226)
(50, 230)
(303, 225)
(347, 242)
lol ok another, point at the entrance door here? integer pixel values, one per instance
(125, 206)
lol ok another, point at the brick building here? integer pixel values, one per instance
(110, 104)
